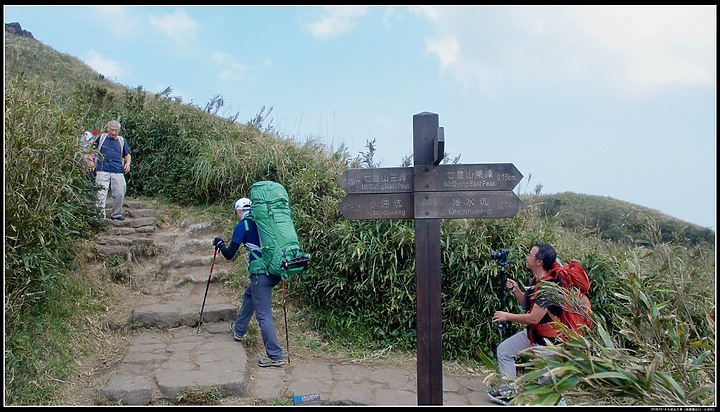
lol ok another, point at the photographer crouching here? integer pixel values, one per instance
(537, 311)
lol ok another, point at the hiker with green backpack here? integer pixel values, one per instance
(257, 298)
(266, 228)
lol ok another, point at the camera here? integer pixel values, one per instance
(502, 326)
(502, 255)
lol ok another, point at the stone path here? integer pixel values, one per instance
(171, 357)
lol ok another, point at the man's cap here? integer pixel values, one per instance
(243, 204)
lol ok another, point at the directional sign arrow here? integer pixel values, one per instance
(362, 206)
(492, 176)
(472, 177)
(377, 180)
(466, 205)
(430, 205)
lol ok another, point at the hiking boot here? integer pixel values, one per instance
(265, 362)
(503, 393)
(238, 338)
(502, 401)
(502, 397)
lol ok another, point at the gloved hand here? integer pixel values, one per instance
(218, 241)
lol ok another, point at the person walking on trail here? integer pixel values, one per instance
(539, 261)
(257, 298)
(112, 164)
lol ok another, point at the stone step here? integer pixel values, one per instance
(133, 204)
(177, 309)
(140, 224)
(117, 239)
(203, 228)
(137, 213)
(196, 244)
(193, 275)
(137, 248)
(172, 316)
(196, 260)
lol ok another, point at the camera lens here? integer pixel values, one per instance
(502, 326)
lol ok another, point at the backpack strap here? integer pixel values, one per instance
(102, 140)
(246, 217)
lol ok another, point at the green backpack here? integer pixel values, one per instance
(281, 252)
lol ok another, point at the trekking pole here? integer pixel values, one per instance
(287, 339)
(202, 308)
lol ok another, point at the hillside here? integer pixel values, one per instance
(618, 220)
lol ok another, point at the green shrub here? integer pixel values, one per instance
(49, 208)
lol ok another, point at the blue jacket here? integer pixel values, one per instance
(246, 233)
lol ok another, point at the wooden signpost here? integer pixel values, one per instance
(449, 192)
(428, 192)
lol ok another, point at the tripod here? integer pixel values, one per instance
(504, 326)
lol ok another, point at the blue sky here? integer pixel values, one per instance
(614, 101)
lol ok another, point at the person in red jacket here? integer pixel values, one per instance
(540, 261)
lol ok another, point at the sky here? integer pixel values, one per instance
(615, 101)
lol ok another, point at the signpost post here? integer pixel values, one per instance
(428, 192)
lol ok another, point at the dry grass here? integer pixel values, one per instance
(103, 339)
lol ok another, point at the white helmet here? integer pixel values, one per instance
(243, 204)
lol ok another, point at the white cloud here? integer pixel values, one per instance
(114, 18)
(428, 12)
(111, 69)
(335, 21)
(446, 49)
(391, 15)
(177, 26)
(230, 69)
(658, 47)
(632, 51)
